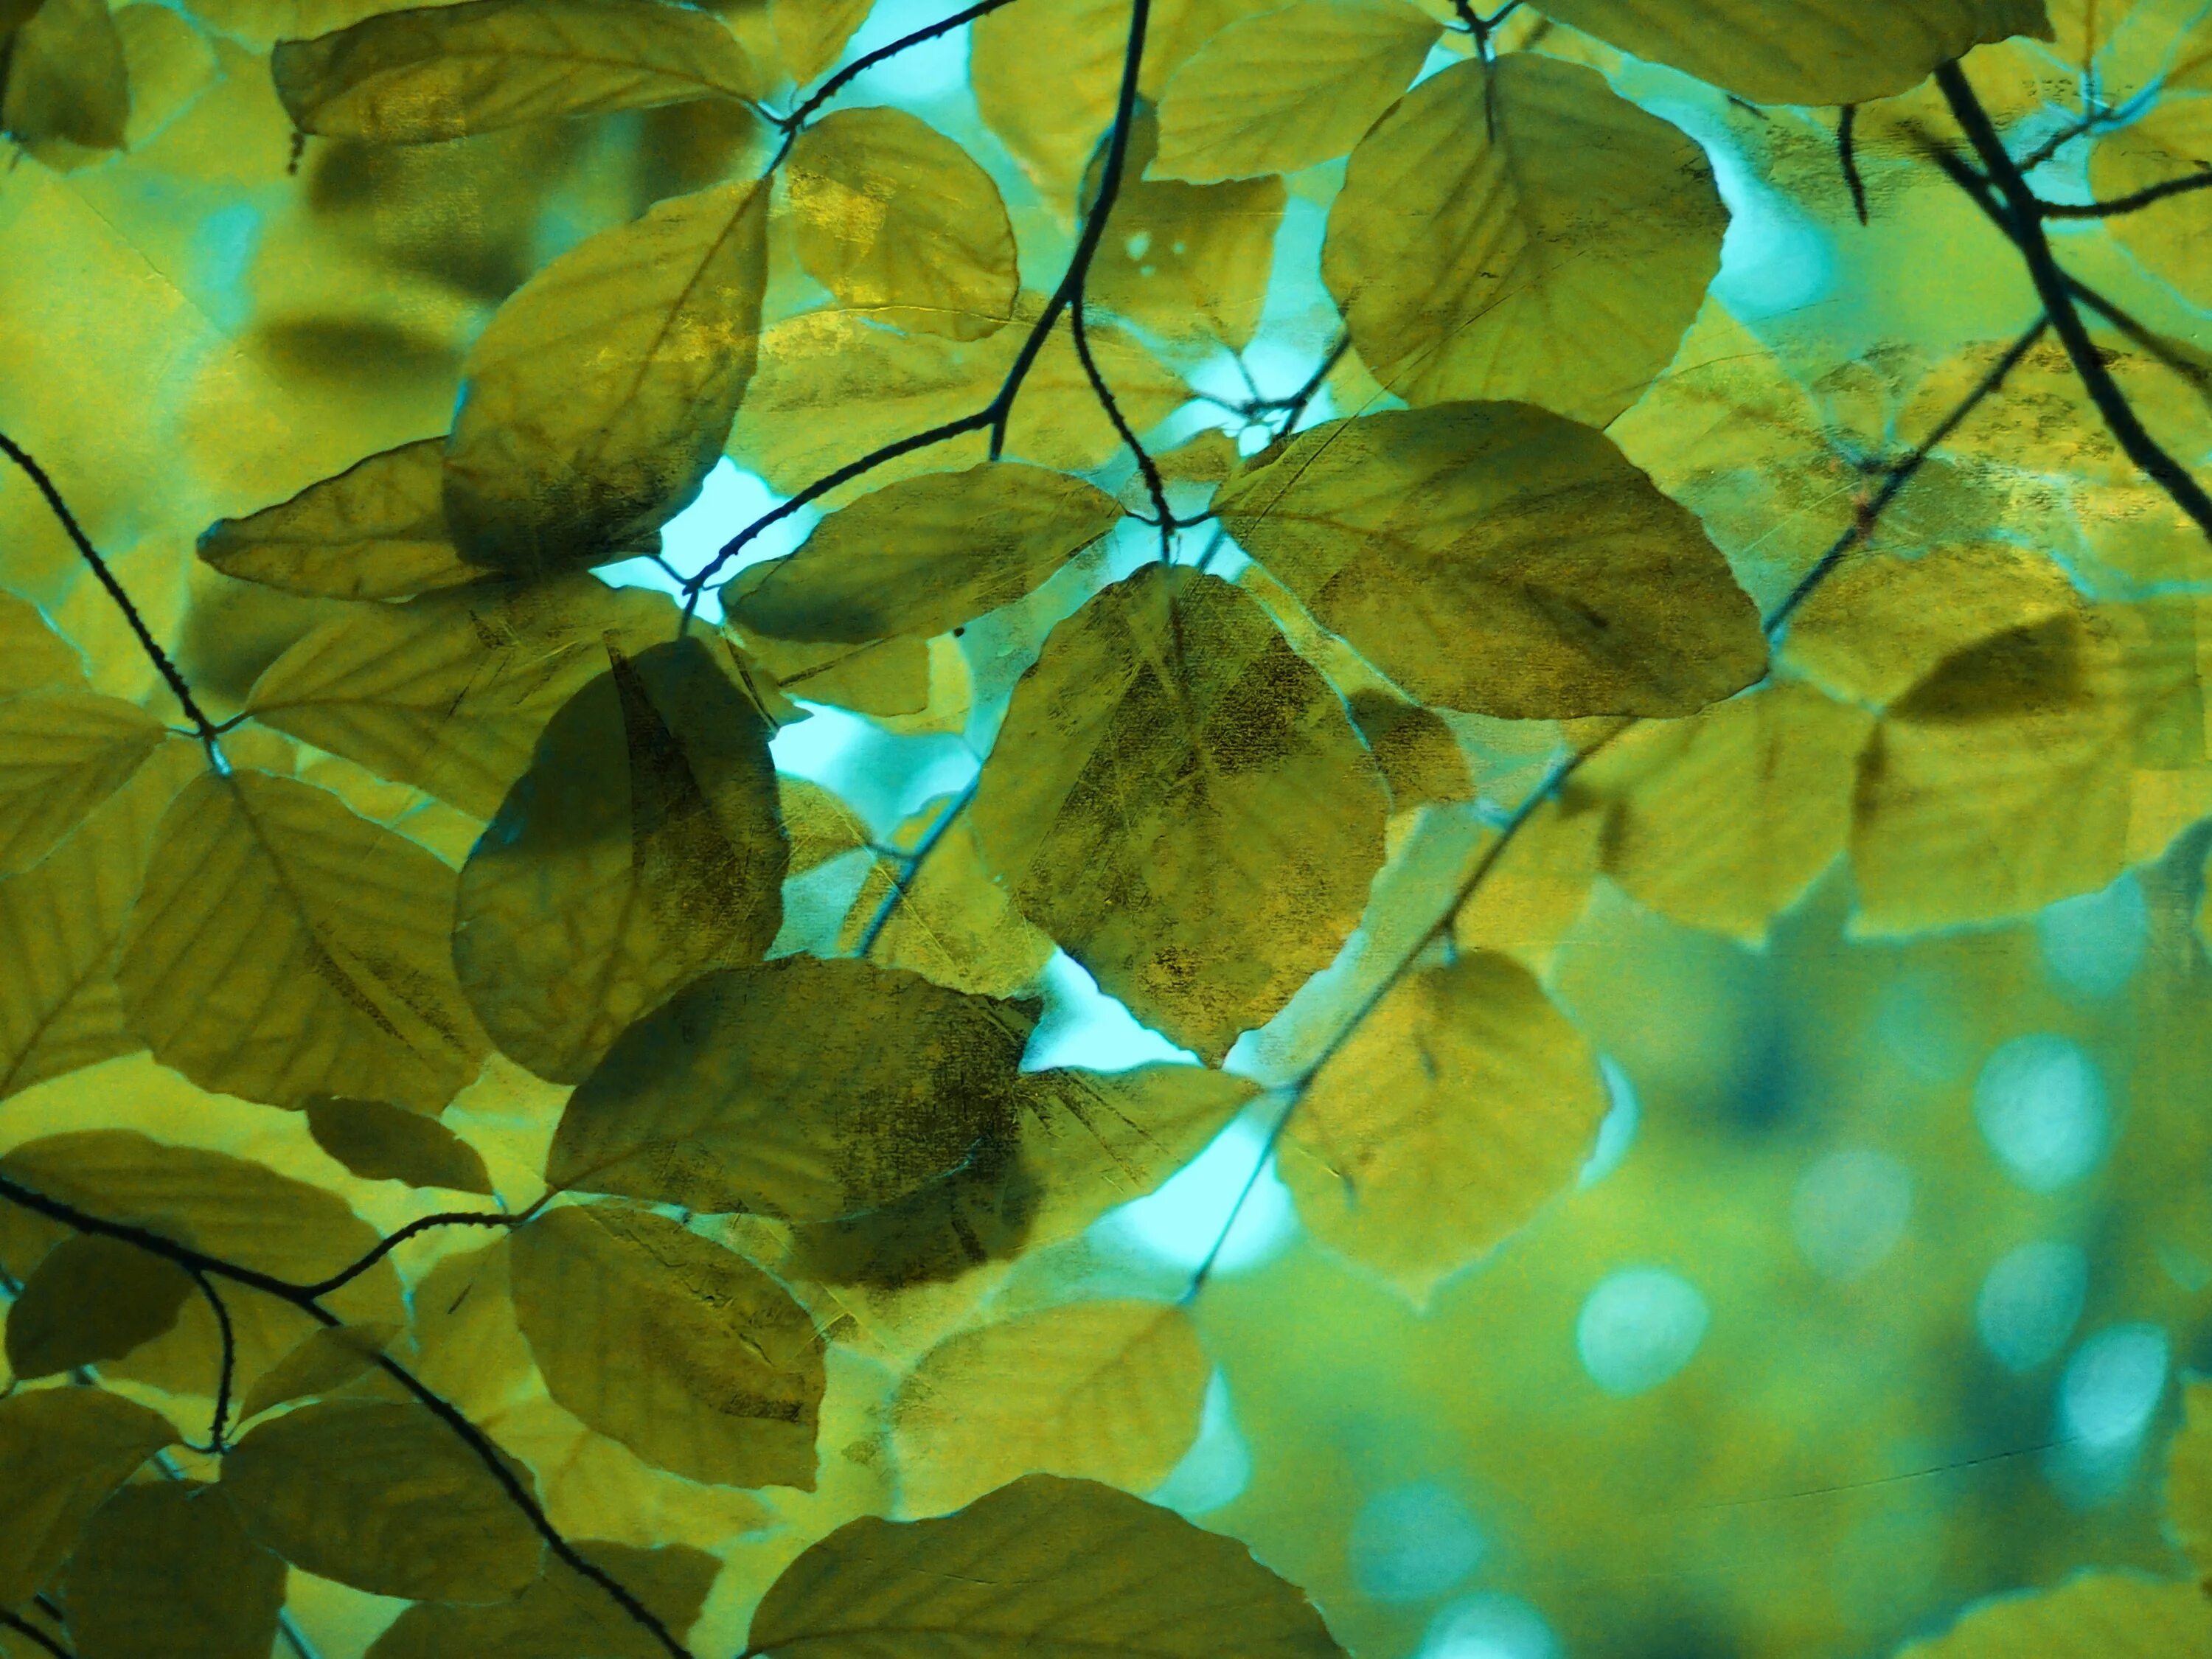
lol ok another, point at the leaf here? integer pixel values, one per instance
(283, 947)
(316, 1485)
(563, 1615)
(377, 530)
(897, 221)
(800, 1089)
(1540, 884)
(1288, 88)
(449, 692)
(378, 1141)
(62, 753)
(1044, 1568)
(32, 657)
(682, 1350)
(91, 1300)
(1515, 230)
(1420, 759)
(65, 1450)
(641, 847)
(886, 677)
(1494, 557)
(1164, 723)
(422, 76)
(66, 78)
(951, 922)
(810, 34)
(1826, 52)
(2093, 1615)
(925, 555)
(599, 398)
(325, 1362)
(1108, 1391)
(1049, 122)
(2170, 141)
(2189, 1477)
(1456, 1109)
(165, 1568)
(1726, 819)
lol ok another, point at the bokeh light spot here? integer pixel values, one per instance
(1639, 1328)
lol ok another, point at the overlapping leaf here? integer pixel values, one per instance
(563, 1615)
(32, 657)
(166, 1568)
(378, 1141)
(62, 753)
(65, 1450)
(67, 81)
(92, 1299)
(2091, 1616)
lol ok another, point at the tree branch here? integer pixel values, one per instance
(2130, 203)
(836, 83)
(1847, 157)
(24, 1627)
(414, 1228)
(227, 1367)
(1154, 487)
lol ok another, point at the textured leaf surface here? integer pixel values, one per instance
(415, 77)
(32, 657)
(67, 79)
(1045, 1568)
(642, 845)
(1181, 801)
(1517, 230)
(91, 1300)
(165, 1568)
(563, 1615)
(327, 1361)
(378, 1142)
(682, 1350)
(283, 947)
(62, 753)
(2091, 1616)
(1494, 557)
(65, 1450)
(1050, 122)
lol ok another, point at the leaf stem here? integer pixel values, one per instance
(227, 1367)
(836, 83)
(1154, 487)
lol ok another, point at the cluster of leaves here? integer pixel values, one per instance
(486, 878)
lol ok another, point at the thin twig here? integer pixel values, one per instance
(2134, 201)
(24, 1626)
(903, 880)
(420, 1225)
(226, 1368)
(836, 83)
(1847, 156)
(1154, 486)
(1293, 408)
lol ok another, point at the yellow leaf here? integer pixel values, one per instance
(951, 922)
(564, 1615)
(1458, 1106)
(1107, 1391)
(1420, 758)
(682, 1350)
(2170, 141)
(1045, 1568)
(1051, 122)
(381, 1142)
(66, 79)
(1515, 230)
(91, 1300)
(641, 846)
(883, 678)
(800, 1089)
(599, 395)
(422, 76)
(283, 947)
(165, 1568)
(377, 530)
(1166, 721)
(1825, 51)
(810, 34)
(32, 657)
(2091, 1616)
(2189, 1478)
(328, 1360)
(65, 1450)
(62, 753)
(1288, 88)
(1540, 884)
(899, 222)
(1494, 557)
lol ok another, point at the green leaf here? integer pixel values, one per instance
(642, 846)
(801, 1088)
(1108, 1391)
(563, 1615)
(1420, 758)
(1166, 721)
(925, 555)
(599, 395)
(32, 657)
(66, 78)
(684, 1350)
(2189, 1477)
(91, 1300)
(1043, 1569)
(1049, 122)
(884, 677)
(65, 1450)
(1517, 230)
(1288, 88)
(283, 947)
(1817, 51)
(165, 1568)
(449, 692)
(329, 1359)
(317, 1485)
(1460, 1105)
(378, 1141)
(62, 753)
(810, 34)
(1494, 557)
(951, 922)
(377, 530)
(417, 77)
(2093, 1615)
(899, 222)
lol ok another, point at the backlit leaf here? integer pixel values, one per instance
(1181, 801)
(2189, 1477)
(91, 1300)
(66, 78)
(564, 1615)
(284, 947)
(317, 1486)
(378, 1142)
(1051, 122)
(883, 678)
(1288, 88)
(1107, 1391)
(1421, 761)
(62, 753)
(377, 530)
(927, 553)
(32, 657)
(599, 395)
(1491, 557)
(2091, 1616)
(950, 921)
(1046, 1568)
(1517, 230)
(165, 1568)
(682, 1350)
(415, 77)
(899, 222)
(1827, 52)
(641, 846)
(1461, 1103)
(325, 1362)
(65, 1450)
(810, 34)
(802, 1088)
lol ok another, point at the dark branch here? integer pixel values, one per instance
(2129, 203)
(414, 1228)
(1154, 487)
(1847, 156)
(836, 83)
(903, 879)
(24, 1627)
(1293, 408)
(229, 1366)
